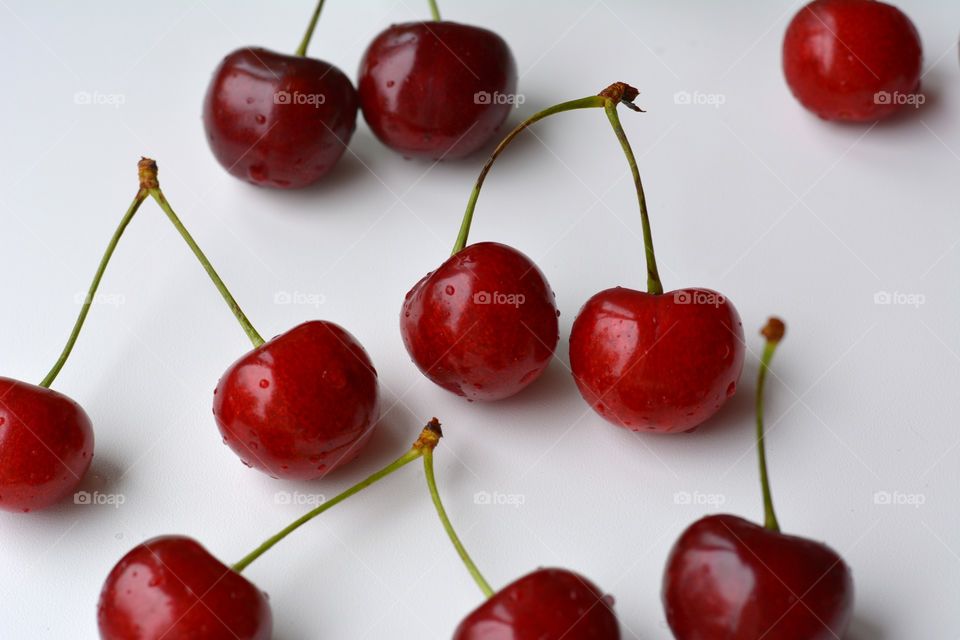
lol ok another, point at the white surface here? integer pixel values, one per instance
(756, 198)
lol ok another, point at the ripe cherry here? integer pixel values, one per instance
(548, 603)
(648, 360)
(855, 60)
(277, 120)
(436, 90)
(729, 578)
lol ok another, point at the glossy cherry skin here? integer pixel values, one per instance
(276, 120)
(547, 604)
(854, 60)
(661, 363)
(46, 446)
(299, 405)
(437, 90)
(484, 324)
(730, 579)
(171, 588)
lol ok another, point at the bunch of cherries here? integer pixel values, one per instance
(305, 402)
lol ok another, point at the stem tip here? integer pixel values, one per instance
(774, 330)
(430, 436)
(147, 171)
(622, 92)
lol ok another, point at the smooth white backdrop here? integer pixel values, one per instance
(754, 197)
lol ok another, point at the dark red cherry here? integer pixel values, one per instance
(277, 120)
(730, 579)
(301, 404)
(437, 90)
(46, 446)
(657, 362)
(546, 604)
(484, 324)
(857, 60)
(171, 588)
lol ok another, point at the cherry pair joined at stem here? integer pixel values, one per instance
(484, 324)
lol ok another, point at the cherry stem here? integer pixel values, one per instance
(434, 10)
(429, 437)
(773, 332)
(448, 527)
(149, 185)
(302, 49)
(91, 293)
(654, 286)
(615, 93)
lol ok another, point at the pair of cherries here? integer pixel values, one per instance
(484, 324)
(725, 578)
(297, 406)
(435, 90)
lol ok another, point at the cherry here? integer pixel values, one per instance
(648, 360)
(436, 90)
(277, 120)
(545, 604)
(301, 404)
(46, 446)
(172, 588)
(854, 60)
(732, 579)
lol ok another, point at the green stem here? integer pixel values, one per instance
(448, 527)
(302, 49)
(403, 460)
(251, 332)
(774, 333)
(434, 10)
(91, 293)
(582, 103)
(654, 285)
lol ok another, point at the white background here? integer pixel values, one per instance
(756, 198)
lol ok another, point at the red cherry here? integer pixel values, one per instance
(299, 405)
(277, 120)
(46, 446)
(548, 603)
(171, 588)
(657, 362)
(436, 90)
(732, 579)
(856, 60)
(484, 324)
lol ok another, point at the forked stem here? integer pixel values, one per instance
(448, 527)
(302, 49)
(773, 332)
(426, 442)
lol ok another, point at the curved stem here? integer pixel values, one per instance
(85, 309)
(774, 333)
(251, 332)
(582, 103)
(654, 285)
(448, 527)
(434, 10)
(302, 49)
